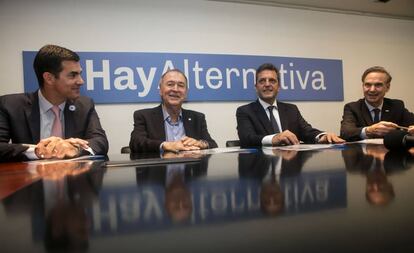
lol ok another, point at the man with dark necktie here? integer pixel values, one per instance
(374, 115)
(267, 121)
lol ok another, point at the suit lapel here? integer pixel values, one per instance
(284, 122)
(32, 114)
(156, 119)
(366, 115)
(261, 114)
(69, 120)
(386, 112)
(187, 119)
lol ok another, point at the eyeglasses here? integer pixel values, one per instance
(263, 81)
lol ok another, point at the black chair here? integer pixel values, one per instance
(125, 150)
(233, 143)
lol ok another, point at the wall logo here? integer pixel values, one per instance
(120, 77)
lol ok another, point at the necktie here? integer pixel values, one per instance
(376, 115)
(273, 120)
(57, 125)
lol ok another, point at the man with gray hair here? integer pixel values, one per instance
(374, 115)
(169, 127)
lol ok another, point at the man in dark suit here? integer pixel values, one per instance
(374, 116)
(12, 152)
(56, 118)
(169, 127)
(270, 122)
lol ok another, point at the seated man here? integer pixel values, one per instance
(12, 152)
(374, 116)
(270, 122)
(56, 117)
(169, 127)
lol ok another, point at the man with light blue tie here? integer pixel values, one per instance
(374, 115)
(267, 121)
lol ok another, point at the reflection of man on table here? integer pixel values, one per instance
(178, 198)
(270, 167)
(369, 159)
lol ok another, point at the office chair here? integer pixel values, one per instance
(125, 150)
(233, 143)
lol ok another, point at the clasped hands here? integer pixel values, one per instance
(56, 147)
(184, 144)
(288, 138)
(381, 128)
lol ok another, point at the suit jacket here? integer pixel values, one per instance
(257, 165)
(158, 174)
(12, 152)
(149, 129)
(253, 124)
(357, 116)
(20, 121)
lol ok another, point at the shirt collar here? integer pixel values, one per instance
(45, 105)
(370, 107)
(266, 105)
(167, 117)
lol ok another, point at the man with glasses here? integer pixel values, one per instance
(267, 121)
(374, 115)
(169, 127)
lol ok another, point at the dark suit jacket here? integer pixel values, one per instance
(257, 165)
(357, 116)
(158, 174)
(253, 124)
(12, 152)
(20, 121)
(149, 129)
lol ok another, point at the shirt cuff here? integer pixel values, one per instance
(161, 149)
(90, 150)
(319, 136)
(363, 134)
(267, 140)
(30, 153)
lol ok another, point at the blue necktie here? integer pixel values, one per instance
(376, 115)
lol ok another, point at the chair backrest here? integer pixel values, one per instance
(125, 150)
(233, 143)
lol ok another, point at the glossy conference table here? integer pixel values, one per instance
(355, 198)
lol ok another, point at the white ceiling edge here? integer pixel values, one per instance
(318, 8)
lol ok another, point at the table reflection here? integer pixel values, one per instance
(59, 203)
(377, 164)
(174, 178)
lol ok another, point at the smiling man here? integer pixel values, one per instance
(374, 115)
(168, 127)
(56, 118)
(267, 121)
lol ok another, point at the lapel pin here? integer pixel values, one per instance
(189, 119)
(387, 110)
(72, 108)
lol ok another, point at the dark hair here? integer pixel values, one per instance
(267, 66)
(49, 59)
(377, 69)
(173, 70)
